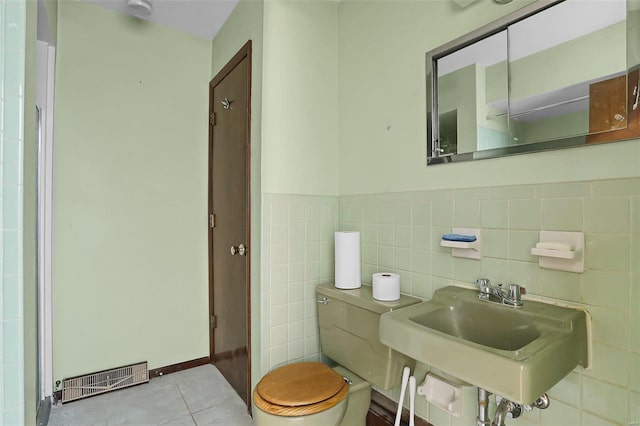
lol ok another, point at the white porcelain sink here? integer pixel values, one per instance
(518, 353)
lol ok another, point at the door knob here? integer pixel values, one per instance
(241, 250)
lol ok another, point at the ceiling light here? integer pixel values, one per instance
(140, 7)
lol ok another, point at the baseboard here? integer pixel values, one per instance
(174, 368)
(382, 412)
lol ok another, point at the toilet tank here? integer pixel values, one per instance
(349, 322)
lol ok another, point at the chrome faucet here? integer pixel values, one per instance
(512, 297)
(485, 288)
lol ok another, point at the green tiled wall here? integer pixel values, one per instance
(297, 254)
(401, 233)
(12, 77)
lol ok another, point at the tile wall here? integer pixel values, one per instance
(297, 255)
(12, 60)
(401, 233)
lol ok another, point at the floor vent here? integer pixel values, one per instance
(104, 381)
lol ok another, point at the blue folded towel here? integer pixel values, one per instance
(459, 237)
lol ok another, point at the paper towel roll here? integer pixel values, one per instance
(348, 260)
(386, 286)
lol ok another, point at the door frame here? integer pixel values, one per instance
(45, 74)
(243, 53)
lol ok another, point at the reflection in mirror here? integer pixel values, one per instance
(541, 78)
(555, 64)
(470, 80)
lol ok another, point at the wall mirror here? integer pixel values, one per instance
(554, 74)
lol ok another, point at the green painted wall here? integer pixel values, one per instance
(497, 82)
(382, 106)
(585, 58)
(52, 15)
(633, 33)
(245, 23)
(300, 98)
(459, 91)
(567, 125)
(130, 173)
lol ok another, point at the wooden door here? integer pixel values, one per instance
(614, 113)
(229, 212)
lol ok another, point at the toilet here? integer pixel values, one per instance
(312, 393)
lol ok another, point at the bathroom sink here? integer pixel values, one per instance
(518, 353)
(506, 330)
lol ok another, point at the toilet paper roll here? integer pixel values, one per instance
(347, 260)
(386, 286)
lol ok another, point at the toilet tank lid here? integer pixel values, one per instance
(363, 297)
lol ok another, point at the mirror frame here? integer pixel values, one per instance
(433, 139)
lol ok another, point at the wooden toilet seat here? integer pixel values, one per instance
(300, 389)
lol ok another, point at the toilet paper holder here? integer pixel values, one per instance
(442, 394)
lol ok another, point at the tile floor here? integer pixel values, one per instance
(198, 396)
